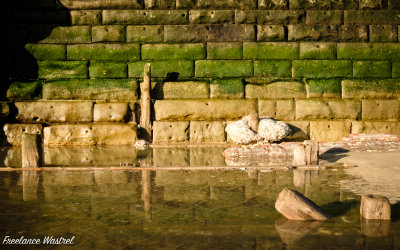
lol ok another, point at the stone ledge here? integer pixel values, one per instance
(14, 132)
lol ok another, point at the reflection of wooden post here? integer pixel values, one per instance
(30, 184)
(145, 123)
(146, 193)
(31, 151)
(375, 207)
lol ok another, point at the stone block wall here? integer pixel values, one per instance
(327, 67)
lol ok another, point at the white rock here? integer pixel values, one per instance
(270, 130)
(240, 132)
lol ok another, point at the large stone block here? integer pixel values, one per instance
(185, 33)
(372, 17)
(108, 33)
(211, 16)
(381, 69)
(185, 90)
(99, 4)
(227, 88)
(54, 111)
(159, 4)
(226, 4)
(362, 127)
(90, 134)
(223, 68)
(353, 33)
(224, 50)
(368, 51)
(14, 132)
(166, 132)
(324, 17)
(277, 109)
(69, 34)
(145, 33)
(62, 69)
(271, 50)
(370, 4)
(313, 32)
(49, 52)
(273, 4)
(327, 110)
(322, 68)
(324, 88)
(173, 51)
(107, 89)
(24, 90)
(272, 68)
(207, 131)
(267, 33)
(85, 17)
(321, 4)
(203, 109)
(380, 110)
(317, 50)
(114, 52)
(276, 90)
(331, 131)
(383, 33)
(163, 68)
(371, 89)
(99, 69)
(280, 16)
(147, 17)
(110, 112)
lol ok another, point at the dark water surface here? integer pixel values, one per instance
(202, 209)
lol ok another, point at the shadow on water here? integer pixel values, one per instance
(395, 209)
(337, 208)
(27, 22)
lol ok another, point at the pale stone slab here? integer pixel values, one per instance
(91, 134)
(361, 127)
(380, 110)
(330, 131)
(165, 132)
(54, 111)
(14, 132)
(207, 131)
(324, 110)
(110, 112)
(276, 90)
(186, 90)
(277, 109)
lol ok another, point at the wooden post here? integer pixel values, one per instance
(299, 155)
(375, 207)
(295, 206)
(312, 151)
(31, 150)
(145, 115)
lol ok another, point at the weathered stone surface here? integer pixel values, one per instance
(108, 33)
(363, 127)
(207, 131)
(88, 17)
(267, 33)
(100, 4)
(270, 130)
(394, 4)
(326, 110)
(300, 130)
(211, 16)
(277, 109)
(353, 33)
(331, 131)
(371, 89)
(173, 51)
(47, 51)
(224, 50)
(368, 51)
(240, 132)
(185, 90)
(69, 34)
(159, 4)
(54, 111)
(370, 4)
(163, 68)
(99, 69)
(223, 68)
(396, 69)
(273, 4)
(14, 132)
(324, 17)
(271, 50)
(146, 17)
(166, 132)
(371, 17)
(109, 89)
(322, 68)
(145, 33)
(324, 88)
(380, 110)
(90, 134)
(375, 207)
(24, 90)
(116, 52)
(226, 4)
(227, 88)
(203, 109)
(279, 16)
(62, 69)
(272, 68)
(383, 33)
(317, 50)
(381, 69)
(320, 4)
(313, 32)
(276, 90)
(110, 112)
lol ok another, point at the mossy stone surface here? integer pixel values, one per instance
(186, 90)
(372, 69)
(164, 68)
(322, 68)
(270, 50)
(371, 89)
(99, 69)
(272, 68)
(227, 88)
(108, 33)
(173, 51)
(223, 68)
(24, 90)
(368, 51)
(62, 69)
(145, 33)
(324, 88)
(47, 51)
(103, 52)
(224, 51)
(396, 69)
(276, 90)
(69, 34)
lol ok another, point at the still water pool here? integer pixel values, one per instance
(183, 209)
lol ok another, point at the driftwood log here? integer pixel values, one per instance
(295, 206)
(375, 207)
(145, 105)
(31, 150)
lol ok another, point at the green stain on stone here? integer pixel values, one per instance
(24, 90)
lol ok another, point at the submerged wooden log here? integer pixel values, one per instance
(31, 150)
(145, 105)
(295, 206)
(375, 207)
(299, 155)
